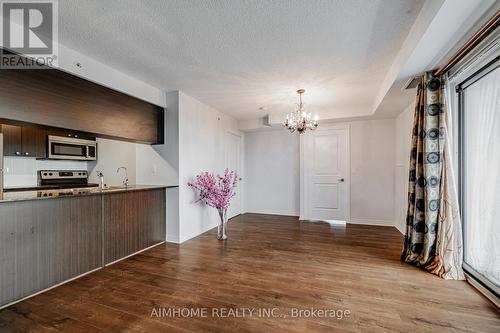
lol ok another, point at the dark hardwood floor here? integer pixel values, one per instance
(269, 262)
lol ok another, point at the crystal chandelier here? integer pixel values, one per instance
(299, 120)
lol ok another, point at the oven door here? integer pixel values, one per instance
(62, 148)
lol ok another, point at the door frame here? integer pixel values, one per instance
(304, 202)
(229, 131)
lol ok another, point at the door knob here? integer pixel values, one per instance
(341, 180)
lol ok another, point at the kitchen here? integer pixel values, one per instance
(69, 201)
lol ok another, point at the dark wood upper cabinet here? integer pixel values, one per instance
(24, 141)
(55, 98)
(12, 140)
(34, 142)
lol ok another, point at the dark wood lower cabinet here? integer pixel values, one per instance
(48, 241)
(7, 253)
(45, 242)
(132, 221)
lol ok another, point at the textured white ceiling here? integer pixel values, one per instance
(238, 56)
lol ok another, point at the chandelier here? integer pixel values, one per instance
(299, 120)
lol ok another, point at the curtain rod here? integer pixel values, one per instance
(479, 36)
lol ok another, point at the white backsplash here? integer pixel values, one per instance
(22, 171)
(111, 154)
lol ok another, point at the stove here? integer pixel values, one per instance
(62, 182)
(63, 192)
(63, 178)
(55, 183)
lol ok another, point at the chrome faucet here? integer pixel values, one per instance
(101, 179)
(125, 181)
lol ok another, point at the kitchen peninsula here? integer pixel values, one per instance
(49, 240)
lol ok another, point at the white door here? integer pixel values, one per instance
(233, 162)
(325, 176)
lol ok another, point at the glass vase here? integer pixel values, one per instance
(221, 229)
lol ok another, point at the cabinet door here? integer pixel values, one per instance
(12, 140)
(26, 249)
(133, 221)
(7, 245)
(34, 142)
(46, 242)
(69, 234)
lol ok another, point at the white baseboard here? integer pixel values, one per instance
(387, 223)
(401, 228)
(282, 213)
(173, 239)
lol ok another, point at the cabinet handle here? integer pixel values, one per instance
(26, 153)
(18, 153)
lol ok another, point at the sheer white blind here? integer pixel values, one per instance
(482, 176)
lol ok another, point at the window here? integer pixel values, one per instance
(479, 169)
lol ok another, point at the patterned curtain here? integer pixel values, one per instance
(433, 238)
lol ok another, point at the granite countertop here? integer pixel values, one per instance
(72, 192)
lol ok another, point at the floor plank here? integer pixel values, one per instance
(269, 262)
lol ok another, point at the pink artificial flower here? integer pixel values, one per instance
(215, 191)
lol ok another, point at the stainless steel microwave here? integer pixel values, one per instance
(66, 148)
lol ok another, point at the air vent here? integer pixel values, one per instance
(412, 83)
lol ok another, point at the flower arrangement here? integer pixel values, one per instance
(216, 191)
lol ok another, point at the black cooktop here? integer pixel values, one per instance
(48, 187)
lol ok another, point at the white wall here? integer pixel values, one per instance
(272, 172)
(372, 172)
(402, 139)
(159, 164)
(201, 148)
(112, 154)
(22, 171)
(194, 142)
